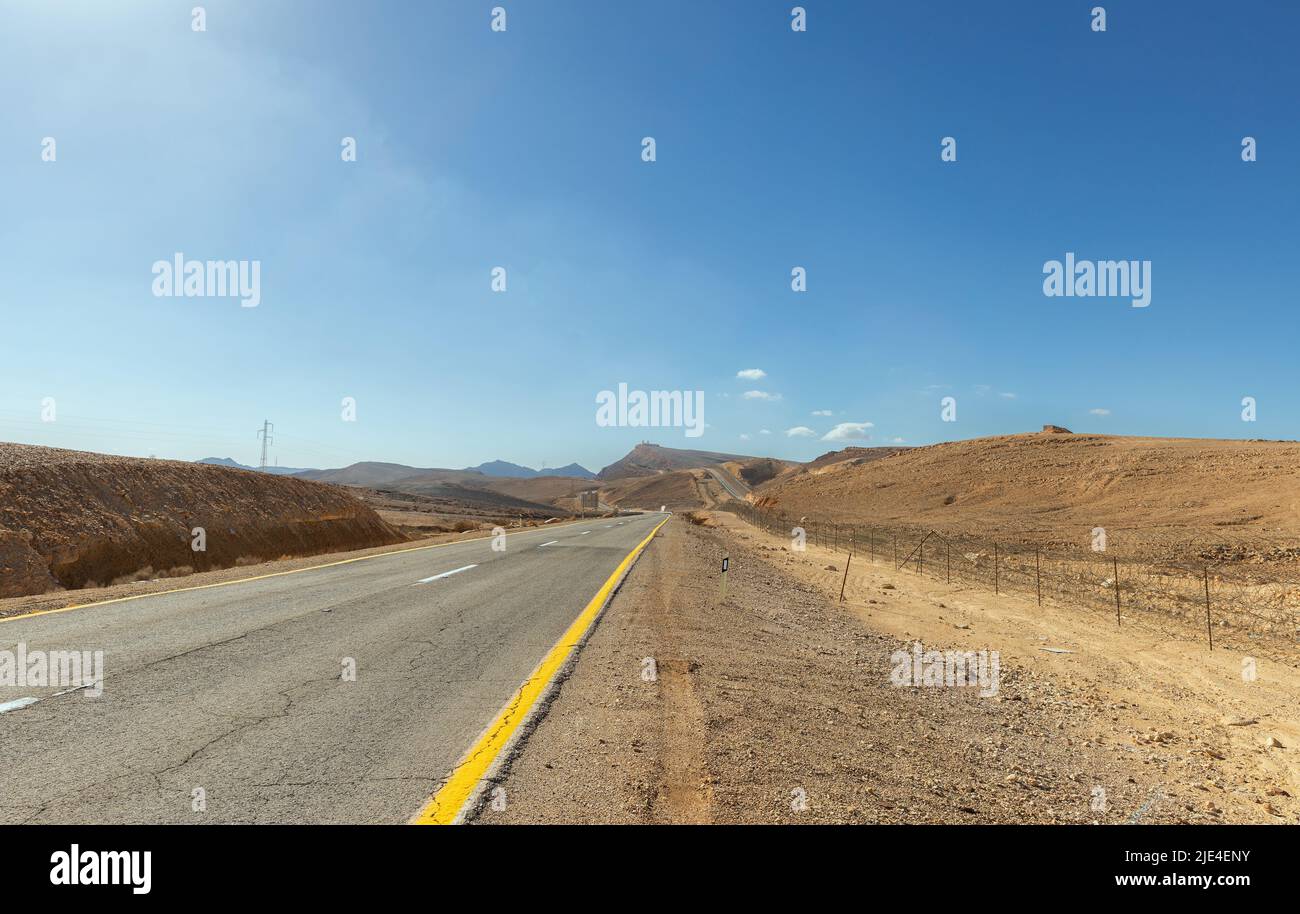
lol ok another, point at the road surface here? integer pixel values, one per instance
(234, 698)
(733, 486)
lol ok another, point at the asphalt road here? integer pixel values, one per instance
(733, 486)
(238, 691)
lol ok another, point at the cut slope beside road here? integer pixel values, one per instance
(71, 519)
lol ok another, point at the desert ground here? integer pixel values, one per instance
(763, 696)
(772, 702)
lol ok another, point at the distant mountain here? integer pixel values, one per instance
(371, 473)
(274, 471)
(649, 459)
(573, 469)
(515, 471)
(503, 468)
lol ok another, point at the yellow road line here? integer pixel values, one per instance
(445, 806)
(261, 577)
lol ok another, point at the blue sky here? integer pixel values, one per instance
(522, 149)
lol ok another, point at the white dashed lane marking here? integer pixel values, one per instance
(17, 703)
(446, 574)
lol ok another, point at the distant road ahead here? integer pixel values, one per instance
(236, 691)
(733, 486)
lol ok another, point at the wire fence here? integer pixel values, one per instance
(1225, 602)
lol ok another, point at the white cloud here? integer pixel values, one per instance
(1007, 396)
(760, 395)
(1099, 412)
(849, 431)
(765, 431)
(751, 374)
(800, 431)
(744, 436)
(821, 412)
(895, 440)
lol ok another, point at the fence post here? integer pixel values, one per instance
(1115, 566)
(947, 548)
(871, 532)
(920, 562)
(1209, 630)
(895, 551)
(846, 576)
(1038, 577)
(995, 567)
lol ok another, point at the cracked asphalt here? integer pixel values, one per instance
(238, 691)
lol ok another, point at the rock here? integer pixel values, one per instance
(1234, 721)
(22, 570)
(1055, 430)
(1273, 743)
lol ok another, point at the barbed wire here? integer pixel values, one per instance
(1242, 591)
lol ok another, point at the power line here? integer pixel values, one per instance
(265, 434)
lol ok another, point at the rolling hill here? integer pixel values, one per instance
(504, 468)
(648, 459)
(234, 464)
(1150, 494)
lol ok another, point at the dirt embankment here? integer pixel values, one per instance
(73, 519)
(1153, 496)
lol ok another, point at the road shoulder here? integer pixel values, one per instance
(774, 704)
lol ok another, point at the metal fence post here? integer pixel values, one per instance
(1038, 577)
(1209, 629)
(1115, 566)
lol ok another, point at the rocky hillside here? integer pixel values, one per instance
(71, 519)
(648, 459)
(1055, 486)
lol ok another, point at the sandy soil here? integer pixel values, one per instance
(1157, 498)
(773, 703)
